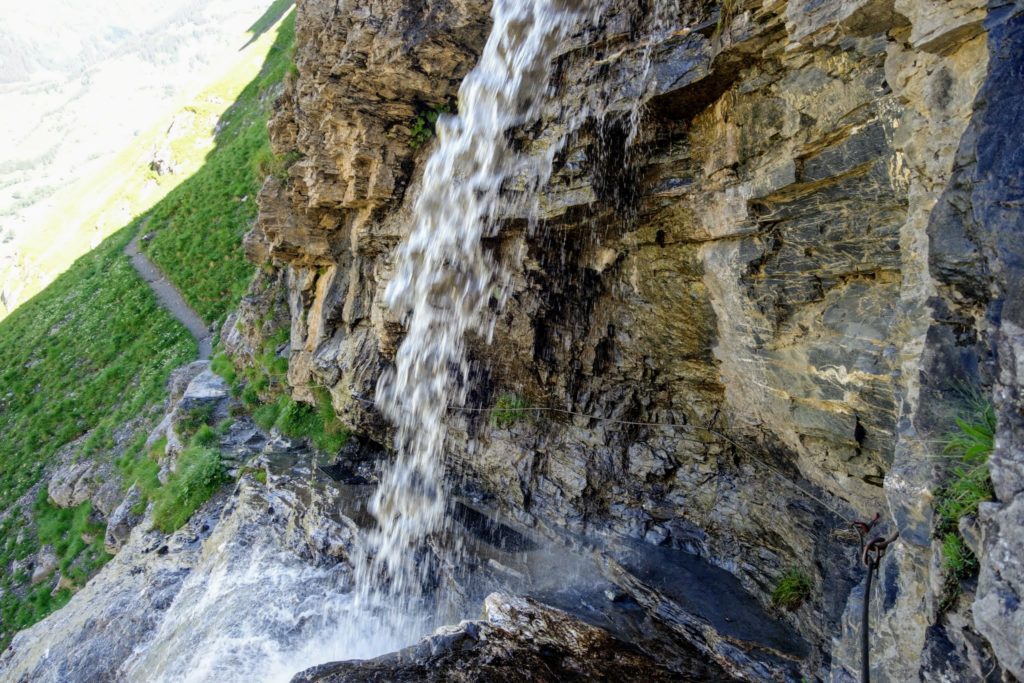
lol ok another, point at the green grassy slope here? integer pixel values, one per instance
(94, 350)
(89, 352)
(198, 225)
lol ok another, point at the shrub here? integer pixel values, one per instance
(198, 476)
(793, 588)
(508, 410)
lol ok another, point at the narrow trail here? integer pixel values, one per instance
(170, 298)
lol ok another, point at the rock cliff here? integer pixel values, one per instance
(739, 324)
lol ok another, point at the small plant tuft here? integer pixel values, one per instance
(266, 163)
(195, 418)
(508, 409)
(198, 476)
(425, 125)
(206, 437)
(969, 485)
(792, 590)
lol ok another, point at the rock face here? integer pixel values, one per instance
(517, 640)
(146, 596)
(748, 327)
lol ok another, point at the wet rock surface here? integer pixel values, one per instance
(517, 640)
(138, 599)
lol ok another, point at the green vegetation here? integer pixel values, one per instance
(142, 469)
(273, 14)
(195, 418)
(199, 225)
(508, 410)
(968, 486)
(81, 358)
(76, 536)
(125, 184)
(94, 350)
(262, 388)
(258, 473)
(793, 588)
(266, 163)
(297, 420)
(206, 437)
(424, 125)
(198, 475)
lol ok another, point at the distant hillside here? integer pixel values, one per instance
(80, 81)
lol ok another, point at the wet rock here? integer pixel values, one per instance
(742, 311)
(517, 640)
(124, 607)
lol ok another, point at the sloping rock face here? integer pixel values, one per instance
(750, 324)
(517, 640)
(137, 618)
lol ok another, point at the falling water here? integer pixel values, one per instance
(445, 278)
(223, 624)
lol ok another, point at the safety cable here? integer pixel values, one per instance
(662, 425)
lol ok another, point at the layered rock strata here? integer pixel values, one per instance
(742, 330)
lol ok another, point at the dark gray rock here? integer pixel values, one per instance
(518, 640)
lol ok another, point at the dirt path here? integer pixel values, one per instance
(170, 298)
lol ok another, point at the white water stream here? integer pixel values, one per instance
(445, 279)
(258, 615)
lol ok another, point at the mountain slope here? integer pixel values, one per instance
(84, 364)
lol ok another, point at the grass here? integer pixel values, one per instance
(90, 352)
(75, 535)
(262, 387)
(258, 473)
(198, 475)
(967, 486)
(139, 468)
(194, 419)
(81, 358)
(198, 227)
(298, 420)
(266, 163)
(793, 588)
(509, 409)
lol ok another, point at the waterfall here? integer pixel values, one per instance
(254, 610)
(445, 279)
